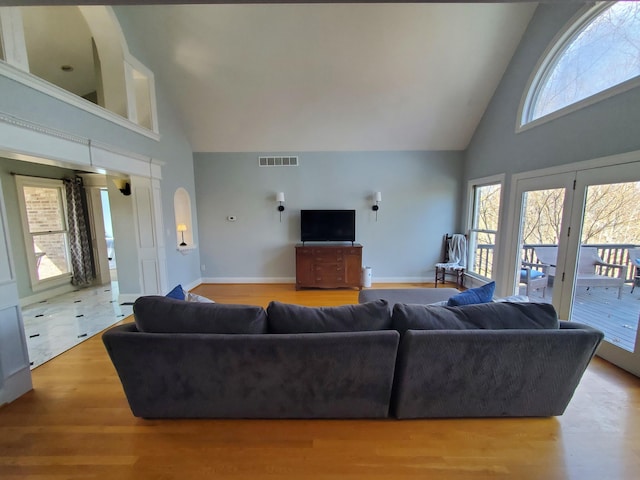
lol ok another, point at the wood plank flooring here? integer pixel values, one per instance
(76, 424)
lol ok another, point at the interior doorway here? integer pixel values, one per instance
(59, 322)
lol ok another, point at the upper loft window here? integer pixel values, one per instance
(596, 57)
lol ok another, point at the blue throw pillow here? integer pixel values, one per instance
(177, 293)
(483, 294)
(534, 274)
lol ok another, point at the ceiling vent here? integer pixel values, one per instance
(278, 161)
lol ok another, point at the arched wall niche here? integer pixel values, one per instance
(182, 210)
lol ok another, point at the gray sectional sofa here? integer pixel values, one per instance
(190, 360)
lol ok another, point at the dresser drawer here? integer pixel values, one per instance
(330, 266)
(328, 269)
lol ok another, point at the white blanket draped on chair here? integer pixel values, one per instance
(455, 259)
(457, 253)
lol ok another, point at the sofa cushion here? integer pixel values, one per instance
(490, 316)
(288, 318)
(177, 293)
(473, 296)
(155, 314)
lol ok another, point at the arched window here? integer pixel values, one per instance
(597, 56)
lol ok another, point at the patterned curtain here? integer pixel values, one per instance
(81, 258)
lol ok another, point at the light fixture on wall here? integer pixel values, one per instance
(377, 198)
(280, 200)
(122, 185)
(182, 228)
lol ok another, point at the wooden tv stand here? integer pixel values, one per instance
(328, 266)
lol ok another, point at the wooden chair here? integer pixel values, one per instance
(452, 264)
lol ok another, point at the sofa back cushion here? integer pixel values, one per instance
(154, 314)
(288, 318)
(490, 316)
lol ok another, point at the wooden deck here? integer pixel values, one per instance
(600, 308)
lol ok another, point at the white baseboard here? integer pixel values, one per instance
(16, 385)
(293, 280)
(46, 295)
(249, 280)
(191, 285)
(402, 279)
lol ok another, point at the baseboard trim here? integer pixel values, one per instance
(248, 280)
(293, 280)
(191, 285)
(16, 385)
(403, 279)
(46, 295)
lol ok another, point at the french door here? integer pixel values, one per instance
(582, 225)
(543, 208)
(607, 224)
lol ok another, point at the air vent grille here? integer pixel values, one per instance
(278, 161)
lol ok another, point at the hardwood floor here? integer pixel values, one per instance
(76, 424)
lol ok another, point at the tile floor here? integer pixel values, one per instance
(53, 326)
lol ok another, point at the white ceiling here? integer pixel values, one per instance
(56, 37)
(322, 77)
(327, 77)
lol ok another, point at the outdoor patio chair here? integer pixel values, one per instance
(535, 276)
(634, 256)
(592, 270)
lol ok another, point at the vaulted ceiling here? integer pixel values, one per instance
(318, 77)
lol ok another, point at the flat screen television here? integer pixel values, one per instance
(328, 225)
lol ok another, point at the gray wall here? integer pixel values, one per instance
(605, 128)
(173, 150)
(609, 127)
(420, 193)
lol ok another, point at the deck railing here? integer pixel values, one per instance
(483, 260)
(617, 253)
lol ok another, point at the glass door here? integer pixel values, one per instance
(602, 253)
(543, 206)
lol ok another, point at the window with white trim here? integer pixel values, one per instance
(483, 230)
(592, 60)
(44, 223)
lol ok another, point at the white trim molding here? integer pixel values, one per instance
(69, 98)
(68, 150)
(16, 67)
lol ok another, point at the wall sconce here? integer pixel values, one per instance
(280, 199)
(378, 198)
(182, 228)
(122, 185)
